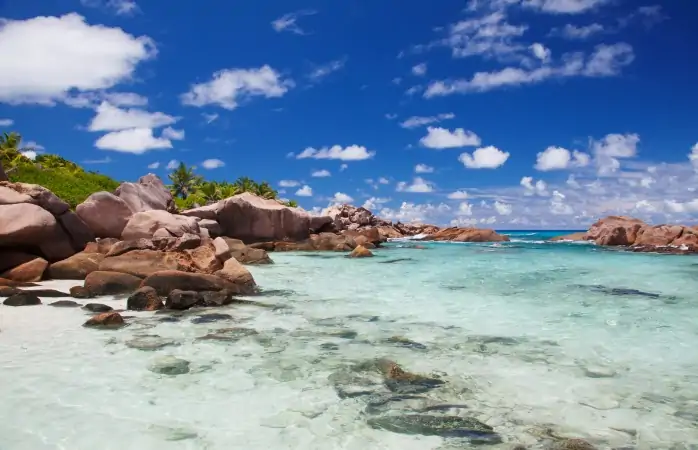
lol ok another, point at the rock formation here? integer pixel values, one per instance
(456, 234)
(639, 236)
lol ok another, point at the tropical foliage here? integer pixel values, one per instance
(191, 190)
(64, 178)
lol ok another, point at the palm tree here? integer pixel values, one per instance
(228, 190)
(184, 181)
(245, 184)
(264, 190)
(209, 192)
(10, 151)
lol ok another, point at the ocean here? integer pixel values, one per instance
(539, 340)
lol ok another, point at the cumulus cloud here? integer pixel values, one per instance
(171, 133)
(420, 69)
(539, 188)
(558, 158)
(423, 168)
(418, 121)
(418, 185)
(154, 165)
(288, 183)
(350, 153)
(574, 32)
(609, 150)
(92, 58)
(563, 6)
(693, 156)
(503, 209)
(172, 165)
(458, 195)
(465, 209)
(305, 191)
(440, 138)
(375, 202)
(118, 7)
(6, 122)
(540, 51)
(414, 213)
(289, 22)
(112, 118)
(228, 87)
(484, 158)
(340, 197)
(321, 173)
(133, 140)
(212, 164)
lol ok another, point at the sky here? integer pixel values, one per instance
(509, 114)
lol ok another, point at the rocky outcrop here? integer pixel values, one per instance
(254, 219)
(101, 245)
(148, 193)
(234, 248)
(237, 274)
(110, 283)
(145, 224)
(316, 242)
(456, 234)
(167, 281)
(140, 263)
(636, 235)
(110, 319)
(30, 270)
(348, 217)
(144, 299)
(578, 236)
(105, 214)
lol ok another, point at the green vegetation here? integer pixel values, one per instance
(191, 190)
(64, 178)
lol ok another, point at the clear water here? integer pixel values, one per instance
(537, 339)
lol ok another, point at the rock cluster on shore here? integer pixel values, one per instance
(636, 235)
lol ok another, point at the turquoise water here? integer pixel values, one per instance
(535, 339)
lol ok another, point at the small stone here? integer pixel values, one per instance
(169, 365)
(210, 318)
(97, 307)
(360, 252)
(572, 444)
(7, 291)
(79, 292)
(149, 342)
(404, 342)
(22, 299)
(329, 346)
(229, 334)
(110, 319)
(178, 299)
(444, 426)
(599, 372)
(65, 304)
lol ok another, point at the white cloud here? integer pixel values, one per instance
(540, 51)
(343, 167)
(605, 61)
(558, 158)
(171, 133)
(383, 180)
(321, 173)
(572, 182)
(423, 168)
(289, 22)
(91, 58)
(693, 156)
(489, 36)
(210, 118)
(613, 147)
(350, 153)
(119, 7)
(418, 121)
(324, 70)
(412, 213)
(570, 31)
(133, 140)
(340, 197)
(374, 202)
(458, 195)
(539, 188)
(228, 87)
(564, 6)
(6, 122)
(419, 185)
(125, 98)
(111, 118)
(172, 164)
(503, 209)
(31, 154)
(420, 69)
(154, 165)
(413, 90)
(34, 146)
(288, 183)
(390, 116)
(440, 138)
(212, 164)
(465, 209)
(305, 191)
(484, 158)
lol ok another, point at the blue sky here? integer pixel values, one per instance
(501, 113)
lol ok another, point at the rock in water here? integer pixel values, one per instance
(360, 252)
(572, 444)
(144, 299)
(213, 317)
(181, 299)
(65, 304)
(98, 307)
(444, 426)
(110, 319)
(149, 342)
(22, 299)
(169, 365)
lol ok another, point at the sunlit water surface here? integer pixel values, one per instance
(535, 339)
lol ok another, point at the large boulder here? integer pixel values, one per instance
(144, 299)
(237, 274)
(457, 234)
(13, 193)
(167, 281)
(145, 224)
(371, 235)
(77, 230)
(227, 248)
(111, 283)
(141, 263)
(25, 267)
(105, 214)
(659, 235)
(101, 245)
(77, 267)
(615, 230)
(25, 224)
(348, 217)
(149, 193)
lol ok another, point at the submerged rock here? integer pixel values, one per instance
(444, 426)
(169, 365)
(210, 318)
(360, 252)
(229, 334)
(599, 372)
(384, 403)
(22, 299)
(65, 304)
(572, 444)
(181, 300)
(80, 292)
(149, 342)
(144, 299)
(350, 385)
(400, 381)
(404, 342)
(97, 307)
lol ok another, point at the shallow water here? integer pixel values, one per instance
(535, 339)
